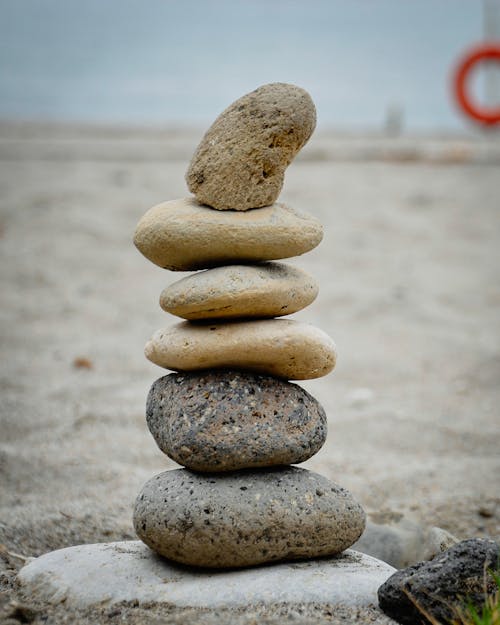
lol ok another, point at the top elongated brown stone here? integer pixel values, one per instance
(241, 161)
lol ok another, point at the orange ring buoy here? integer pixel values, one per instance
(483, 52)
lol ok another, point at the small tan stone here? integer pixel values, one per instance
(280, 347)
(241, 161)
(183, 235)
(266, 290)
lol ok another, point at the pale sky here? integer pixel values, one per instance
(167, 61)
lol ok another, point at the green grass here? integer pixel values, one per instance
(468, 613)
(489, 614)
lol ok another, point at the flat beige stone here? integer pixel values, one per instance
(241, 161)
(183, 235)
(281, 347)
(266, 290)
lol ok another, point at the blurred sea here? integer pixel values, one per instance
(166, 61)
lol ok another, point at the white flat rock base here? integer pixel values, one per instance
(106, 573)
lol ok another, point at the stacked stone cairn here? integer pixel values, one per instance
(229, 414)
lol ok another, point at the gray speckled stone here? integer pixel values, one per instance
(246, 517)
(241, 161)
(226, 420)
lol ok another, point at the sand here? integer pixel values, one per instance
(409, 290)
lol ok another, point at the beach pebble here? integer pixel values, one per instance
(436, 586)
(183, 235)
(360, 397)
(280, 347)
(266, 290)
(226, 420)
(128, 571)
(404, 542)
(241, 161)
(244, 518)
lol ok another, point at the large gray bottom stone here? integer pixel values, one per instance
(244, 518)
(87, 575)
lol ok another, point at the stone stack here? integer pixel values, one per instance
(230, 415)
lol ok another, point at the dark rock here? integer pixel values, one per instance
(227, 420)
(244, 518)
(436, 587)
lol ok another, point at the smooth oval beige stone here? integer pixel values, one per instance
(266, 290)
(241, 161)
(183, 235)
(281, 347)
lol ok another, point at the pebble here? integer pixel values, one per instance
(241, 161)
(436, 586)
(360, 397)
(266, 290)
(127, 571)
(280, 347)
(404, 542)
(183, 235)
(245, 518)
(227, 420)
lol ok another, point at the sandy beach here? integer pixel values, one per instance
(409, 291)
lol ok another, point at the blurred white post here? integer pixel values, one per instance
(491, 30)
(393, 124)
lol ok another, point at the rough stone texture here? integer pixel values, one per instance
(109, 573)
(183, 235)
(227, 420)
(403, 543)
(241, 161)
(266, 290)
(438, 585)
(280, 347)
(246, 517)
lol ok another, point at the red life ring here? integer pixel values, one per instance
(484, 52)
